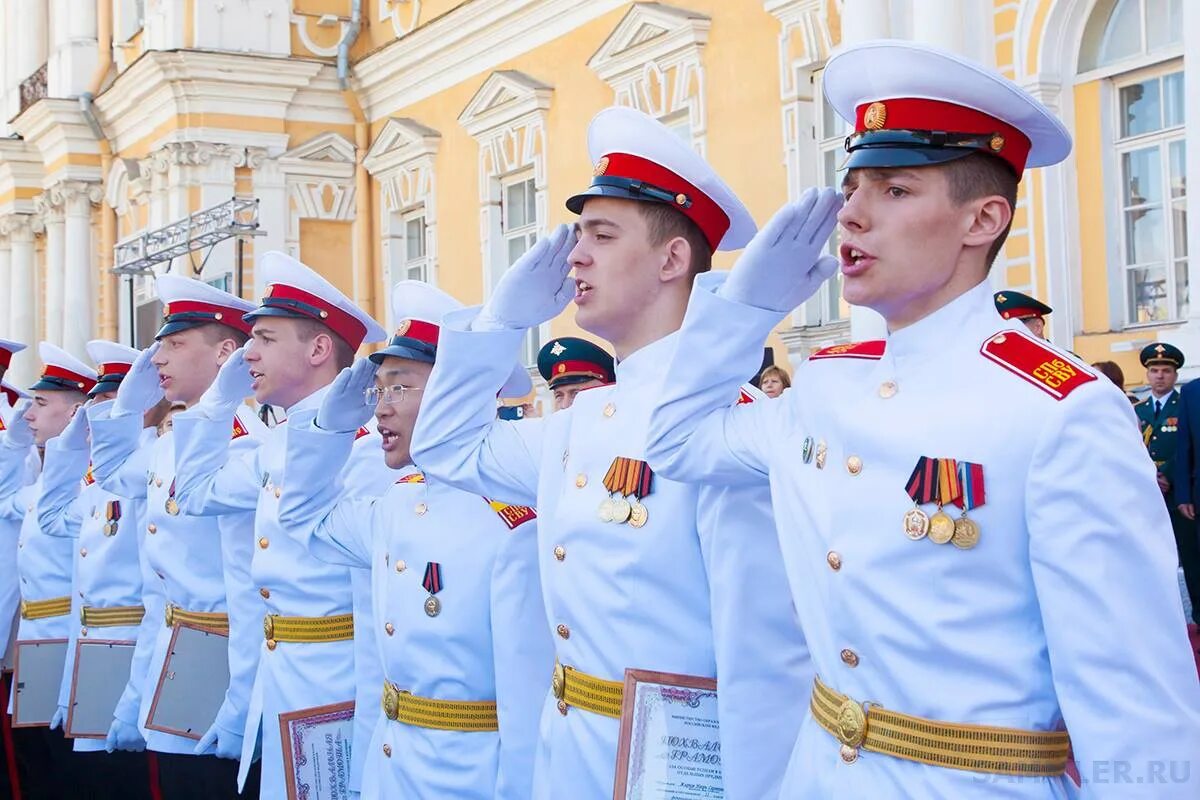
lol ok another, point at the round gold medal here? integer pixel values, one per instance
(606, 510)
(172, 507)
(110, 529)
(638, 515)
(966, 533)
(433, 606)
(621, 510)
(941, 528)
(916, 524)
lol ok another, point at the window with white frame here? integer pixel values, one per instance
(518, 230)
(1151, 162)
(407, 246)
(829, 133)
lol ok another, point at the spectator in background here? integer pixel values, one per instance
(773, 380)
(1115, 374)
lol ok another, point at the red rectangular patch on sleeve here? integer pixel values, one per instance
(513, 516)
(1036, 363)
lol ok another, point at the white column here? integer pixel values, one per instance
(6, 280)
(270, 188)
(863, 20)
(50, 206)
(73, 53)
(23, 302)
(940, 23)
(30, 38)
(79, 268)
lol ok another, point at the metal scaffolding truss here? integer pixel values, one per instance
(236, 217)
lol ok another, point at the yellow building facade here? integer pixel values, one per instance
(379, 140)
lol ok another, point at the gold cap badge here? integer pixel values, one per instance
(875, 117)
(404, 326)
(996, 143)
(601, 166)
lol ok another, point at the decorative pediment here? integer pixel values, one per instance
(805, 39)
(328, 155)
(401, 141)
(506, 96)
(649, 32)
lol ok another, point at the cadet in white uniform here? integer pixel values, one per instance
(627, 557)
(973, 533)
(455, 583)
(304, 331)
(106, 585)
(10, 595)
(201, 565)
(43, 562)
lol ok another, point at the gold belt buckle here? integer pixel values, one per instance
(558, 681)
(83, 615)
(24, 608)
(269, 627)
(391, 700)
(169, 615)
(851, 723)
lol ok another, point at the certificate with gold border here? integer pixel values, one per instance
(670, 744)
(316, 751)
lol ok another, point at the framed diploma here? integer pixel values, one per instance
(97, 683)
(670, 747)
(316, 751)
(37, 678)
(192, 684)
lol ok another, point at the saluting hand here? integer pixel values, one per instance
(140, 389)
(344, 407)
(19, 436)
(74, 436)
(783, 265)
(535, 289)
(233, 385)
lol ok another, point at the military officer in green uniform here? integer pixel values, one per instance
(569, 365)
(1031, 311)
(1158, 416)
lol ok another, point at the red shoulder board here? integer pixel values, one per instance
(88, 477)
(1028, 358)
(362, 431)
(744, 397)
(239, 430)
(871, 350)
(512, 515)
(413, 477)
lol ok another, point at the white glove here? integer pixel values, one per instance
(535, 289)
(344, 407)
(219, 742)
(139, 391)
(783, 266)
(74, 436)
(59, 718)
(232, 386)
(123, 736)
(19, 436)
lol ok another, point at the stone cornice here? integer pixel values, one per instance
(57, 129)
(20, 174)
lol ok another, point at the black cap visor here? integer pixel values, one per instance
(901, 148)
(406, 347)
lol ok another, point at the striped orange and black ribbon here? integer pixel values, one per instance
(629, 476)
(112, 511)
(948, 486)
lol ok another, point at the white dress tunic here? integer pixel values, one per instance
(1067, 612)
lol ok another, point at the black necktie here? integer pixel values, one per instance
(1157, 406)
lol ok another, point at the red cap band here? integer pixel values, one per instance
(702, 209)
(420, 330)
(83, 382)
(566, 369)
(1021, 313)
(919, 114)
(115, 368)
(222, 314)
(344, 324)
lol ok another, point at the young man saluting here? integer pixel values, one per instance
(638, 571)
(977, 551)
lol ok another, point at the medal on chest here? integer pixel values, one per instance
(433, 584)
(627, 477)
(944, 481)
(920, 487)
(172, 505)
(112, 513)
(973, 495)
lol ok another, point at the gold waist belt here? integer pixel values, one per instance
(215, 621)
(575, 688)
(307, 629)
(978, 748)
(44, 609)
(112, 616)
(443, 715)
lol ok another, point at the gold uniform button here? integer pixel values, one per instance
(888, 389)
(560, 552)
(264, 543)
(158, 483)
(849, 754)
(562, 707)
(609, 410)
(152, 528)
(835, 560)
(278, 491)
(387, 750)
(400, 565)
(390, 628)
(420, 509)
(580, 481)
(271, 644)
(265, 592)
(849, 657)
(83, 631)
(854, 465)
(83, 552)
(564, 631)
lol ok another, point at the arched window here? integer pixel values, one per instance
(1136, 46)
